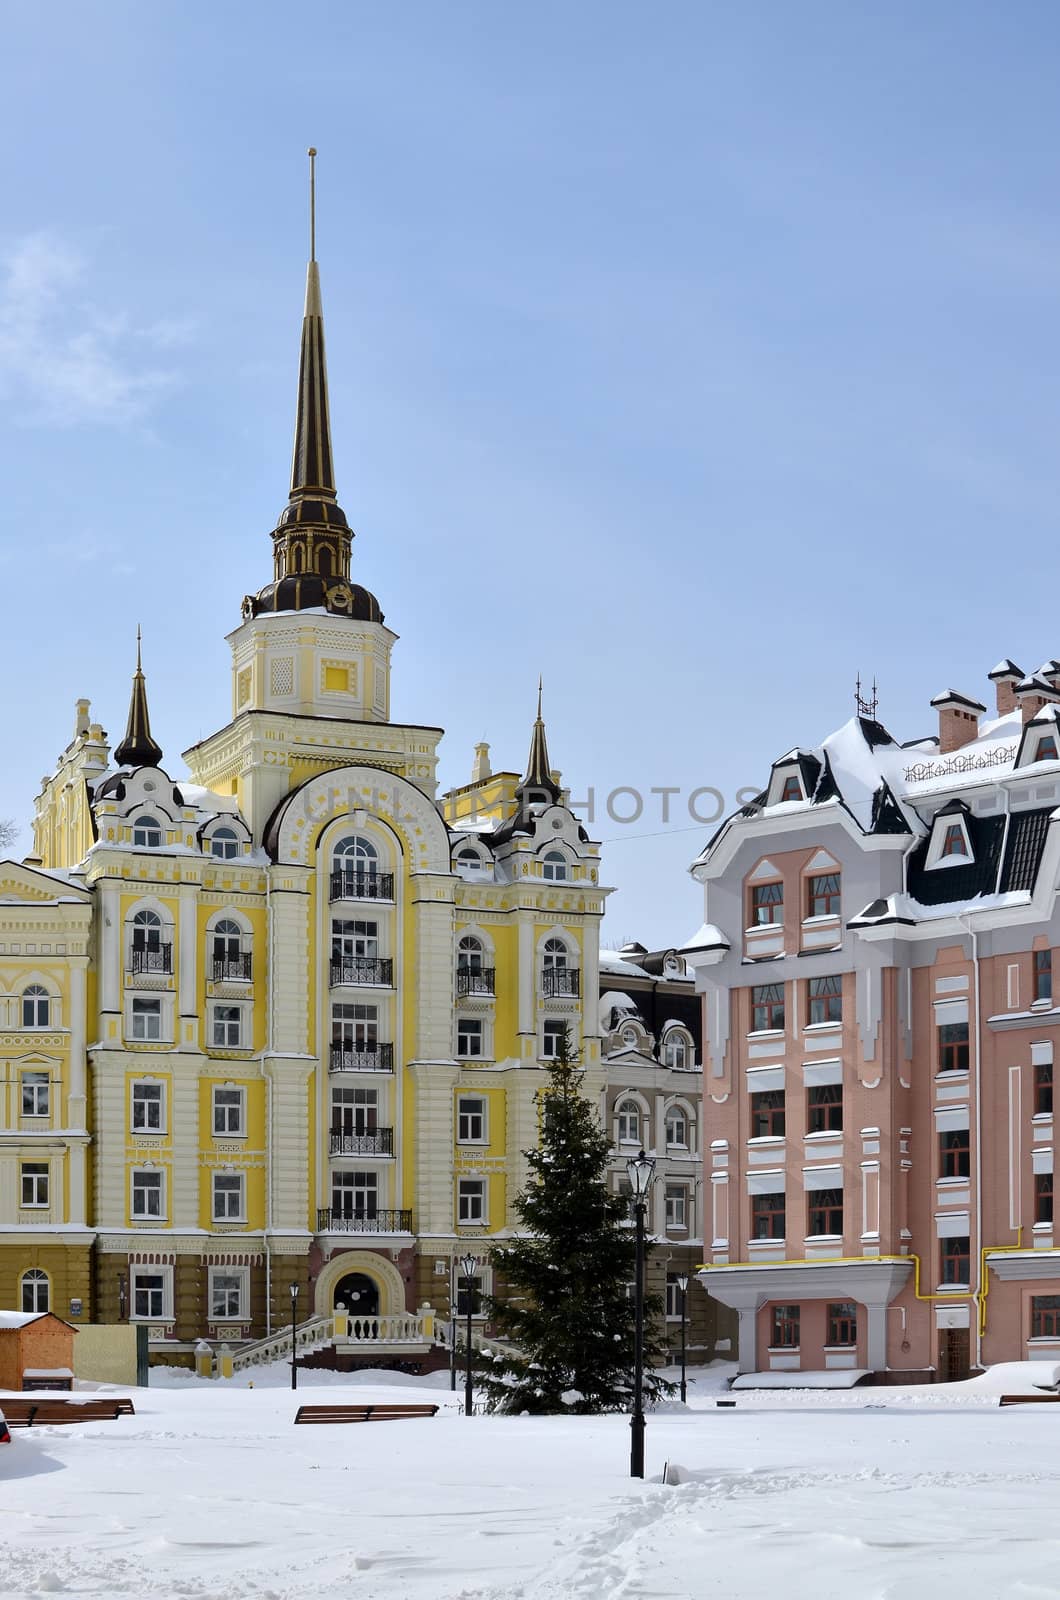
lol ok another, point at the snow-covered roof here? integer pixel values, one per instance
(19, 1319)
(611, 961)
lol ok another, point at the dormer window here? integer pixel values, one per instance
(469, 857)
(224, 844)
(147, 833)
(792, 789)
(951, 844)
(554, 866)
(953, 841)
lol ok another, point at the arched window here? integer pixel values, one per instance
(147, 832)
(468, 856)
(554, 866)
(675, 1050)
(147, 931)
(469, 954)
(227, 940)
(224, 843)
(627, 1114)
(555, 954)
(355, 870)
(36, 1291)
(36, 1006)
(677, 1127)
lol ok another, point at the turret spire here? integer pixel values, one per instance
(311, 541)
(138, 749)
(538, 781)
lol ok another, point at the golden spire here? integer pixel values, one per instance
(138, 749)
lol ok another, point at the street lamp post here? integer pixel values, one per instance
(468, 1263)
(453, 1283)
(682, 1284)
(294, 1334)
(123, 1296)
(641, 1169)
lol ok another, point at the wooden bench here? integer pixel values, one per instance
(1030, 1399)
(376, 1413)
(37, 1413)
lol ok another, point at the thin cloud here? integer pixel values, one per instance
(64, 360)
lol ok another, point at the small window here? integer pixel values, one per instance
(767, 1114)
(675, 1052)
(955, 1154)
(767, 1007)
(36, 1006)
(468, 857)
(229, 1115)
(627, 1117)
(147, 1020)
(953, 1047)
(674, 1297)
(228, 1197)
(36, 1094)
(469, 1037)
(955, 1256)
(792, 789)
(842, 1320)
(676, 1205)
(471, 1200)
(784, 1334)
(1043, 974)
(555, 956)
(823, 898)
(825, 1212)
(768, 1216)
(1046, 750)
(148, 1294)
(147, 833)
(1045, 1316)
(470, 1120)
(34, 1179)
(227, 1027)
(469, 954)
(1043, 1089)
(36, 1291)
(554, 866)
(146, 931)
(224, 843)
(477, 1291)
(953, 843)
(227, 1295)
(676, 1128)
(148, 1107)
(767, 904)
(825, 1001)
(147, 1194)
(553, 1035)
(824, 1108)
(1043, 1197)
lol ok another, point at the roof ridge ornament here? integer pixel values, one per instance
(866, 707)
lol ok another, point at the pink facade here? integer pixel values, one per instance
(876, 965)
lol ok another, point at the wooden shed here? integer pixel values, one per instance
(36, 1351)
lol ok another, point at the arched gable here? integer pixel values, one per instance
(298, 822)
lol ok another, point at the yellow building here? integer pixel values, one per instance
(297, 1006)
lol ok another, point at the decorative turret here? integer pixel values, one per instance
(138, 749)
(538, 784)
(311, 540)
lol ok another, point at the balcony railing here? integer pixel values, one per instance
(480, 982)
(332, 1219)
(380, 1142)
(562, 981)
(362, 1058)
(157, 960)
(363, 969)
(232, 969)
(362, 885)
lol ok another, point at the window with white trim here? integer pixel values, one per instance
(471, 1200)
(36, 1006)
(224, 843)
(227, 1027)
(228, 1201)
(627, 1122)
(36, 1094)
(470, 1119)
(148, 1194)
(34, 1176)
(228, 1294)
(676, 1205)
(147, 1020)
(152, 1293)
(553, 1034)
(146, 833)
(229, 1111)
(470, 1037)
(554, 866)
(674, 1297)
(148, 1108)
(36, 1291)
(675, 1051)
(677, 1128)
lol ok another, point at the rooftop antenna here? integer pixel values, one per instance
(312, 203)
(865, 707)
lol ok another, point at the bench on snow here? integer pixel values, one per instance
(38, 1413)
(376, 1413)
(1029, 1399)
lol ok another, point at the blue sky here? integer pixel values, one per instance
(695, 356)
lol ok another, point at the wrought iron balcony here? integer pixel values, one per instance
(380, 1142)
(232, 969)
(159, 959)
(362, 885)
(363, 969)
(562, 981)
(362, 1058)
(480, 982)
(332, 1219)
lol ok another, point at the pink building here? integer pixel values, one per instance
(876, 966)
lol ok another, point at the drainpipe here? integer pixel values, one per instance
(964, 920)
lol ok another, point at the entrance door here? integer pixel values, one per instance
(954, 1354)
(359, 1294)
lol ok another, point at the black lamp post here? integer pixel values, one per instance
(294, 1332)
(468, 1263)
(682, 1284)
(641, 1171)
(123, 1296)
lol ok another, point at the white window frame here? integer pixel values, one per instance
(144, 1189)
(164, 1290)
(228, 1194)
(470, 1023)
(555, 868)
(675, 1041)
(623, 1108)
(139, 1011)
(463, 1100)
(37, 1183)
(675, 1200)
(37, 1083)
(552, 1028)
(34, 1278)
(241, 1275)
(236, 1023)
(229, 841)
(36, 998)
(240, 1107)
(672, 1113)
(146, 823)
(147, 1127)
(468, 1191)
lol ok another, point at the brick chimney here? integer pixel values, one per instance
(1033, 692)
(1005, 677)
(958, 720)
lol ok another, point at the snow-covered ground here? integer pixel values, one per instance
(210, 1492)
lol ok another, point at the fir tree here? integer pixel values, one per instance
(566, 1311)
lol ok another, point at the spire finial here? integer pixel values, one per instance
(138, 749)
(312, 203)
(139, 637)
(539, 683)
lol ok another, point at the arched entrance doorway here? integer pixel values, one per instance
(359, 1294)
